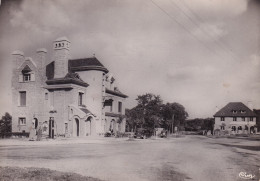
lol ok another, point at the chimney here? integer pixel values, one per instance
(61, 56)
(41, 60)
(18, 58)
(41, 57)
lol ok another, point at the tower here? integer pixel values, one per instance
(61, 56)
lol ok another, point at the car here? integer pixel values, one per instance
(163, 134)
(109, 134)
(142, 133)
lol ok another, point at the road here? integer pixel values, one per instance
(186, 158)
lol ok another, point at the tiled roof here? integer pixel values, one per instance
(86, 64)
(235, 109)
(116, 93)
(70, 78)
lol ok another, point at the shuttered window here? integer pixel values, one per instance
(26, 77)
(22, 98)
(22, 121)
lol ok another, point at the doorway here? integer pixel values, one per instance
(76, 128)
(88, 125)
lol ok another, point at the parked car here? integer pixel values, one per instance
(163, 134)
(109, 134)
(143, 133)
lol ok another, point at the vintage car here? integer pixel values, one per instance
(143, 133)
(163, 134)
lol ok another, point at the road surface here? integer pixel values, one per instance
(186, 158)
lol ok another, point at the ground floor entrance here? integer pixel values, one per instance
(83, 127)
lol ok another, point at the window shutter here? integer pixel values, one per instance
(21, 78)
(32, 77)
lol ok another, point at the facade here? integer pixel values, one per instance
(257, 112)
(70, 97)
(235, 118)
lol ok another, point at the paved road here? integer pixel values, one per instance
(187, 158)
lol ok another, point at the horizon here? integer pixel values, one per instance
(201, 54)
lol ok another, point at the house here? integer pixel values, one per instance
(257, 112)
(235, 118)
(69, 97)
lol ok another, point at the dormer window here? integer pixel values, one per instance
(26, 77)
(234, 111)
(243, 111)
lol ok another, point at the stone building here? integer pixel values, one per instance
(70, 97)
(235, 118)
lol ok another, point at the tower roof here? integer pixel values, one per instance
(85, 64)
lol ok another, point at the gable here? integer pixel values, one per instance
(28, 64)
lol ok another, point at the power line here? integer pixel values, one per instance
(171, 17)
(220, 43)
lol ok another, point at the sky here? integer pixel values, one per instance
(200, 53)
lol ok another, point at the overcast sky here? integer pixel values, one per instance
(199, 53)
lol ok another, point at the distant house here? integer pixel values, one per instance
(257, 112)
(235, 118)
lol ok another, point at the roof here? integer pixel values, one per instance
(70, 78)
(116, 93)
(26, 69)
(235, 109)
(110, 114)
(50, 70)
(85, 110)
(86, 64)
(62, 39)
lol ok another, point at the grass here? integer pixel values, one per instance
(38, 174)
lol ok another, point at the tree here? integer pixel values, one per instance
(173, 114)
(151, 113)
(6, 123)
(146, 113)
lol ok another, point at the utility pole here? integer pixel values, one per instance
(172, 123)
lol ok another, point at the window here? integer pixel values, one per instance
(81, 98)
(251, 119)
(234, 119)
(243, 119)
(222, 118)
(222, 127)
(22, 98)
(46, 96)
(111, 107)
(26, 77)
(22, 121)
(120, 107)
(234, 111)
(243, 111)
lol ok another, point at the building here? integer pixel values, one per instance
(257, 112)
(235, 118)
(68, 97)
